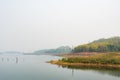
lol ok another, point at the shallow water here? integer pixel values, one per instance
(30, 67)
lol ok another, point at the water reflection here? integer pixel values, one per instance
(109, 71)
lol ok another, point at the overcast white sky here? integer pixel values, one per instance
(28, 25)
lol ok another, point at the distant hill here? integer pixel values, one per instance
(59, 50)
(101, 45)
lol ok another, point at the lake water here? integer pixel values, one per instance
(29, 67)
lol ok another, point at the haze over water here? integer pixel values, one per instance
(31, 25)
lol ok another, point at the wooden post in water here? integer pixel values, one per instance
(16, 59)
(72, 72)
(7, 59)
(2, 59)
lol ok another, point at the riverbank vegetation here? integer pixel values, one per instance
(104, 58)
(99, 53)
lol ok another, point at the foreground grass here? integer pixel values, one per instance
(108, 60)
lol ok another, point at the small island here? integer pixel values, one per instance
(104, 53)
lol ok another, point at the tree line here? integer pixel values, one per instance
(101, 45)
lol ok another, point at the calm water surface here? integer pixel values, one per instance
(29, 67)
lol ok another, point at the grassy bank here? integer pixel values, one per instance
(105, 58)
(97, 60)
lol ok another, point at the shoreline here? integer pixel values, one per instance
(60, 63)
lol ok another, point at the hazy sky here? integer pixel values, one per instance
(28, 25)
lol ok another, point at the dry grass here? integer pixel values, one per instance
(104, 58)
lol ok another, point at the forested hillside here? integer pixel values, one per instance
(101, 45)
